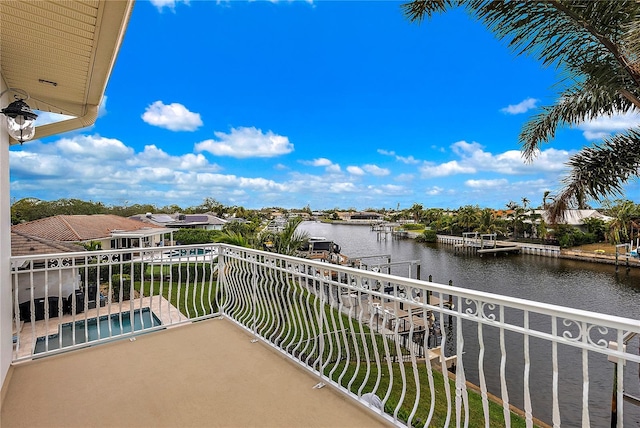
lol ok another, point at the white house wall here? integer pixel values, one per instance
(60, 284)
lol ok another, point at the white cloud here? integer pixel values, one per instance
(388, 189)
(521, 107)
(329, 166)
(84, 147)
(434, 191)
(376, 170)
(445, 169)
(405, 177)
(100, 162)
(156, 156)
(169, 4)
(604, 126)
(246, 143)
(473, 158)
(174, 117)
(355, 170)
(318, 162)
(485, 184)
(342, 187)
(334, 168)
(244, 183)
(409, 160)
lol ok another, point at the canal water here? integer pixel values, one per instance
(570, 283)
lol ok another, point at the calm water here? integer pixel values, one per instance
(581, 285)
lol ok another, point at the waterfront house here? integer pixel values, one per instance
(255, 338)
(575, 218)
(104, 231)
(367, 216)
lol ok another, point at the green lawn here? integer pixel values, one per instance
(191, 299)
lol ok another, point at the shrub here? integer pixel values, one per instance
(126, 287)
(428, 236)
(413, 226)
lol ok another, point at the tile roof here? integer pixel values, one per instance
(26, 245)
(74, 228)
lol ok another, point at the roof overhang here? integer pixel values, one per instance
(62, 54)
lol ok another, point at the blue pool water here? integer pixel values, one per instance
(87, 331)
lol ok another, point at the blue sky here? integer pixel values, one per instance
(320, 103)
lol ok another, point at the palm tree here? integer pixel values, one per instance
(516, 215)
(489, 222)
(468, 216)
(622, 213)
(234, 238)
(598, 45)
(288, 241)
(416, 210)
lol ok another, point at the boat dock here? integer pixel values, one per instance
(509, 249)
(473, 242)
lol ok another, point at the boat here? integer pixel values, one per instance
(323, 249)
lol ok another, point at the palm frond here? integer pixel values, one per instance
(418, 10)
(577, 104)
(604, 168)
(599, 172)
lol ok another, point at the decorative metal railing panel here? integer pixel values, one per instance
(72, 300)
(416, 352)
(387, 341)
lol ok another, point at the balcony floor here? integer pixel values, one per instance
(202, 374)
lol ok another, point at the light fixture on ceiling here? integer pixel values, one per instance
(20, 117)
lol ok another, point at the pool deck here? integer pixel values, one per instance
(207, 373)
(165, 311)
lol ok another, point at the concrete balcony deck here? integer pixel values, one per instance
(202, 374)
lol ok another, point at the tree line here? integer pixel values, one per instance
(29, 209)
(520, 222)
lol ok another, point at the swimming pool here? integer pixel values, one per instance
(120, 324)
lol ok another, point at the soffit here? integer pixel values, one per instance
(72, 43)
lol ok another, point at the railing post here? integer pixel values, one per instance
(614, 397)
(450, 302)
(321, 320)
(254, 295)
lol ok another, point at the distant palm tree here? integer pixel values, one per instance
(416, 211)
(468, 216)
(622, 212)
(515, 216)
(288, 241)
(597, 43)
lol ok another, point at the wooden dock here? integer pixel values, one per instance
(484, 244)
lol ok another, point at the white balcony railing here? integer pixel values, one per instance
(417, 352)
